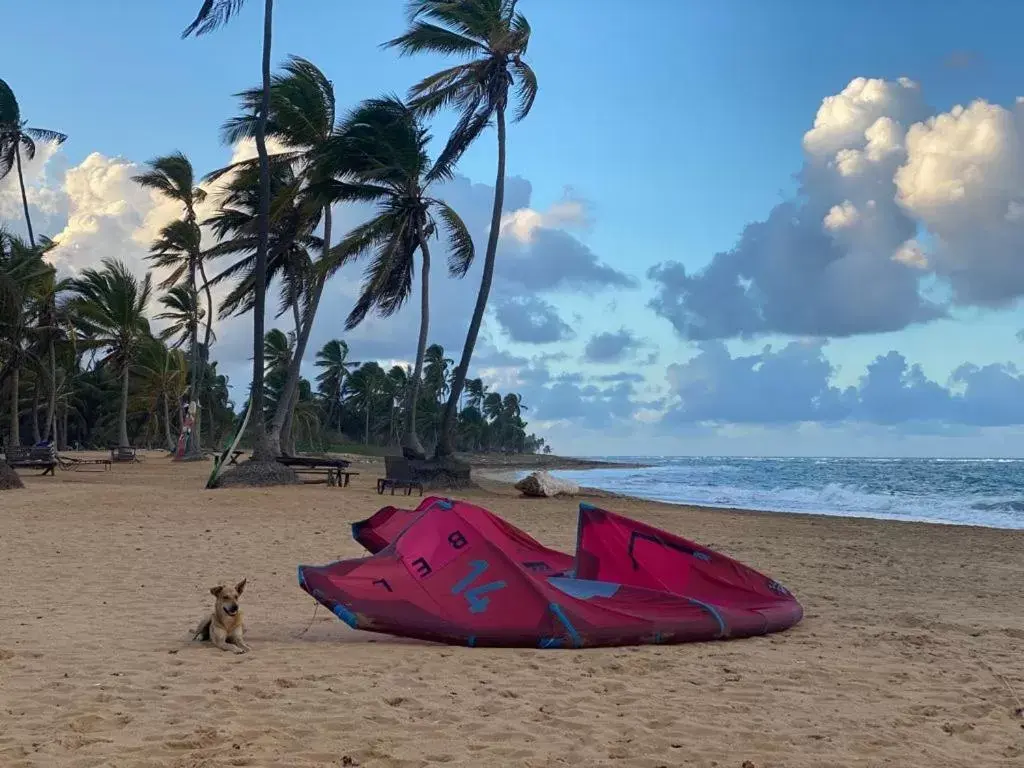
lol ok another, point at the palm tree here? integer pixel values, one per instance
(302, 119)
(16, 136)
(381, 156)
(110, 308)
(213, 14)
(494, 37)
(333, 358)
(363, 388)
(182, 309)
(179, 248)
(22, 272)
(162, 376)
(291, 240)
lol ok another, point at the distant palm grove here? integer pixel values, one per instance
(80, 364)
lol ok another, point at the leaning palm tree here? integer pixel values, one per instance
(16, 137)
(494, 37)
(212, 15)
(302, 118)
(381, 156)
(179, 249)
(110, 312)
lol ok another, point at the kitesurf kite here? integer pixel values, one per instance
(452, 572)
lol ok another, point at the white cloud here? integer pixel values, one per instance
(524, 223)
(963, 180)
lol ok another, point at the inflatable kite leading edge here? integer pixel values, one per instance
(455, 573)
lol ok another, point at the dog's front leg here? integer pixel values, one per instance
(219, 637)
(236, 638)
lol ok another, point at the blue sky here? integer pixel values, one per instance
(672, 125)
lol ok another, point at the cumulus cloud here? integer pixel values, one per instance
(795, 384)
(611, 346)
(846, 254)
(531, 320)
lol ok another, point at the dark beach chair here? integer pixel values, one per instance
(398, 474)
(124, 454)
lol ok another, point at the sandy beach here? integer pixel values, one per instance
(909, 654)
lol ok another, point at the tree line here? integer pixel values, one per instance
(271, 228)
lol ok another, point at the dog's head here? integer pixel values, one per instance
(227, 597)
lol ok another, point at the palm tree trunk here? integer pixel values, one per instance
(122, 421)
(366, 433)
(412, 448)
(445, 443)
(36, 437)
(194, 451)
(15, 433)
(24, 197)
(263, 450)
(167, 424)
(286, 404)
(51, 404)
(204, 351)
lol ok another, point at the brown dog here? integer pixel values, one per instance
(224, 627)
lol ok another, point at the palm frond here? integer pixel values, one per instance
(212, 15)
(526, 89)
(461, 250)
(44, 134)
(423, 37)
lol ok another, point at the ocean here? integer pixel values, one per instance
(985, 492)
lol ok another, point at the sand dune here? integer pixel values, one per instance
(908, 628)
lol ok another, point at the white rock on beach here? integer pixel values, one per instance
(543, 484)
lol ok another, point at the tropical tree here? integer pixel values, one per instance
(162, 378)
(110, 310)
(183, 313)
(212, 15)
(22, 273)
(179, 250)
(380, 155)
(493, 37)
(363, 390)
(333, 359)
(302, 119)
(16, 137)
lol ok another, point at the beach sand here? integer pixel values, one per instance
(908, 628)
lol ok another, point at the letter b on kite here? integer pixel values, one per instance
(475, 596)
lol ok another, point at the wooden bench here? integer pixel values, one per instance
(397, 474)
(44, 458)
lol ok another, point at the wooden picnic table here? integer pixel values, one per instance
(335, 470)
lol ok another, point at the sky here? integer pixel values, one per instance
(746, 228)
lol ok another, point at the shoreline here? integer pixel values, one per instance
(504, 478)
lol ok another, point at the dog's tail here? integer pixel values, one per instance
(203, 630)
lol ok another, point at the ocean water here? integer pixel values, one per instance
(986, 492)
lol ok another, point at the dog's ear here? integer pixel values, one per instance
(240, 587)
(215, 591)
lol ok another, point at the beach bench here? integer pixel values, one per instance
(123, 454)
(38, 457)
(398, 474)
(334, 470)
